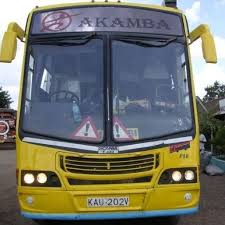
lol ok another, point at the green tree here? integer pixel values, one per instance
(209, 126)
(5, 99)
(215, 91)
(219, 141)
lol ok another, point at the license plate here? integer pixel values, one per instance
(108, 202)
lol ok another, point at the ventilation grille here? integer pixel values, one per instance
(100, 166)
(96, 182)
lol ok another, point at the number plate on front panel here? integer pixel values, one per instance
(108, 202)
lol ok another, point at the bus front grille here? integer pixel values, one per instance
(107, 166)
(97, 182)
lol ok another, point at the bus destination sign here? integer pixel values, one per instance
(119, 19)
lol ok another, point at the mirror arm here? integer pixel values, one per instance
(196, 33)
(14, 27)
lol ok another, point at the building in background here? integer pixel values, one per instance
(217, 108)
(7, 125)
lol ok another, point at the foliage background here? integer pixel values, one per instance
(5, 99)
(212, 128)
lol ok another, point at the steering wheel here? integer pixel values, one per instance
(65, 96)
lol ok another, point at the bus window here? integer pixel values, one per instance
(150, 93)
(64, 76)
(46, 81)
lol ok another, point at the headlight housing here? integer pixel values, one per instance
(39, 178)
(42, 178)
(28, 178)
(178, 176)
(189, 175)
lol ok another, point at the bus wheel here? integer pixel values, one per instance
(171, 220)
(47, 222)
(41, 222)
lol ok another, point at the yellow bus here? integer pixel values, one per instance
(107, 122)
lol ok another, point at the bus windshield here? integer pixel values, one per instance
(150, 88)
(66, 93)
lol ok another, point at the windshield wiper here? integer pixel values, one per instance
(149, 43)
(68, 41)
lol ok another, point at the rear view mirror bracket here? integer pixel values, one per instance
(198, 32)
(208, 44)
(14, 27)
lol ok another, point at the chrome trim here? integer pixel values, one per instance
(155, 143)
(95, 149)
(60, 144)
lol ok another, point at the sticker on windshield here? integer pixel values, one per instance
(100, 134)
(120, 132)
(57, 21)
(133, 132)
(86, 131)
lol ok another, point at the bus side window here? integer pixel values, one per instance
(46, 81)
(45, 86)
(29, 84)
(30, 78)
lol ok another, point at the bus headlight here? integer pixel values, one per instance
(42, 178)
(179, 176)
(189, 175)
(29, 178)
(176, 176)
(35, 178)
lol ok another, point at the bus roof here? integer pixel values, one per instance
(66, 5)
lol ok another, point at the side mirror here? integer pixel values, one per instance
(208, 44)
(9, 47)
(209, 48)
(9, 42)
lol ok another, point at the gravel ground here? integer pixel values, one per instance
(212, 208)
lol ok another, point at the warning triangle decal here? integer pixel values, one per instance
(120, 132)
(86, 131)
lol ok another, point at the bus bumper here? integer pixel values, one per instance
(114, 215)
(72, 205)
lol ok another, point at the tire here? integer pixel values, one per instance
(41, 222)
(168, 220)
(55, 222)
(171, 220)
(47, 222)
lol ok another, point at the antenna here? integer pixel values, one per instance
(170, 3)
